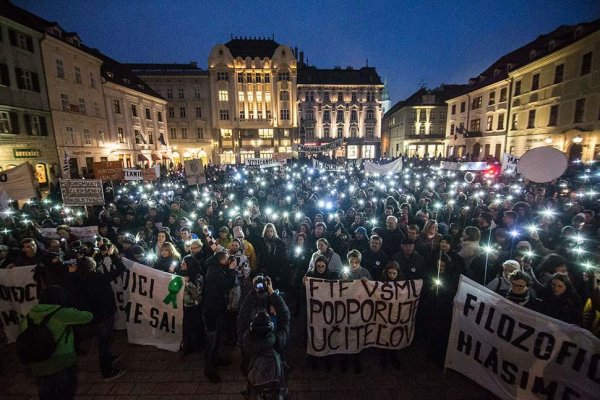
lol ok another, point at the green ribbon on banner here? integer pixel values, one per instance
(174, 287)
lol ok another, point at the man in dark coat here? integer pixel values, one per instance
(411, 263)
(374, 259)
(392, 236)
(272, 256)
(220, 278)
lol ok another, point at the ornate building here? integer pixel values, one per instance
(187, 91)
(26, 131)
(253, 99)
(416, 126)
(341, 103)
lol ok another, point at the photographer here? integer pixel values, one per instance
(220, 279)
(264, 298)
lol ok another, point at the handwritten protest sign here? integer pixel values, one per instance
(348, 316)
(82, 192)
(139, 292)
(517, 353)
(17, 182)
(108, 170)
(82, 232)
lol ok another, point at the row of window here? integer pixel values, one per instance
(340, 116)
(180, 93)
(327, 132)
(134, 111)
(254, 115)
(310, 97)
(281, 76)
(77, 75)
(477, 102)
(183, 133)
(19, 39)
(559, 74)
(433, 129)
(25, 79)
(255, 78)
(284, 115)
(433, 114)
(71, 137)
(35, 125)
(183, 112)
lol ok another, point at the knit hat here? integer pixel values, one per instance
(512, 263)
(261, 324)
(361, 231)
(238, 232)
(524, 243)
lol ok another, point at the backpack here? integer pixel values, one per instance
(36, 343)
(266, 374)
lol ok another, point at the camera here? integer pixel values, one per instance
(260, 284)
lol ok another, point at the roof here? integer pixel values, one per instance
(167, 69)
(337, 76)
(120, 74)
(252, 47)
(441, 94)
(543, 45)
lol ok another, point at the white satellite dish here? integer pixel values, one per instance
(542, 164)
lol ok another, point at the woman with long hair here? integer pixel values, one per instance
(334, 262)
(560, 300)
(169, 258)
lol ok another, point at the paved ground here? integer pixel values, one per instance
(157, 374)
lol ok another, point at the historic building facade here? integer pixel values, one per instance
(416, 126)
(341, 104)
(186, 89)
(137, 119)
(26, 131)
(556, 95)
(253, 99)
(546, 93)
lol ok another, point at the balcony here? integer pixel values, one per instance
(422, 136)
(473, 134)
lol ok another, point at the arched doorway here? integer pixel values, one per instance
(575, 152)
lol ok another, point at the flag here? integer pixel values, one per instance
(139, 137)
(66, 162)
(161, 139)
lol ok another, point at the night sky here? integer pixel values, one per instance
(410, 43)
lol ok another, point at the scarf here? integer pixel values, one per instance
(520, 299)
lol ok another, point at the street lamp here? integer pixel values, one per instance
(548, 140)
(577, 139)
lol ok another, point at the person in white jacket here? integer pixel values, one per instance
(334, 262)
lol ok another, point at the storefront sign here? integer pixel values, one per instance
(27, 153)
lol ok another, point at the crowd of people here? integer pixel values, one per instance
(246, 241)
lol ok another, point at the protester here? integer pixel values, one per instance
(334, 262)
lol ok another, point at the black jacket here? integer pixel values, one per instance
(273, 261)
(251, 305)
(412, 267)
(92, 291)
(375, 262)
(219, 280)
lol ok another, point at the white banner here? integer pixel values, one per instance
(17, 296)
(464, 166)
(509, 164)
(328, 167)
(131, 174)
(302, 148)
(82, 232)
(140, 293)
(394, 167)
(348, 316)
(265, 162)
(17, 182)
(517, 353)
(149, 320)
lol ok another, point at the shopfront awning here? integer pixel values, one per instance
(166, 157)
(155, 157)
(142, 157)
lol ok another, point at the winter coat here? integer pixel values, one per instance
(217, 284)
(334, 262)
(64, 355)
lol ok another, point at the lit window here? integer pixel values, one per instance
(223, 95)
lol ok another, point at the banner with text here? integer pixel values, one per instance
(517, 353)
(194, 172)
(17, 297)
(149, 320)
(320, 165)
(82, 192)
(265, 162)
(348, 316)
(140, 292)
(464, 166)
(108, 170)
(509, 164)
(82, 232)
(303, 148)
(17, 182)
(394, 167)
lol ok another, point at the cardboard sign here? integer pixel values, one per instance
(194, 172)
(108, 170)
(82, 192)
(132, 174)
(17, 182)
